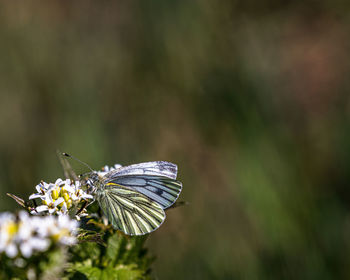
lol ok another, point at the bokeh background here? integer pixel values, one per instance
(249, 98)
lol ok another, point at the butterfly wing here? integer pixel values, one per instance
(162, 190)
(130, 211)
(154, 168)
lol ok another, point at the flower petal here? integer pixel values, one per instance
(35, 195)
(42, 208)
(59, 182)
(58, 201)
(52, 210)
(11, 250)
(26, 249)
(87, 196)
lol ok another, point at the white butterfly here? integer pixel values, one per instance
(134, 197)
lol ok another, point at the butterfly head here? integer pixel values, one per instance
(94, 181)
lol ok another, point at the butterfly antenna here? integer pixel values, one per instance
(78, 160)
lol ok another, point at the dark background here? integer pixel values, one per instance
(249, 98)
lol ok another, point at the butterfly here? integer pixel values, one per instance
(134, 197)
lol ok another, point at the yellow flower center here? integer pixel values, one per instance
(55, 193)
(63, 232)
(66, 196)
(69, 203)
(11, 228)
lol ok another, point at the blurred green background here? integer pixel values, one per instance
(249, 98)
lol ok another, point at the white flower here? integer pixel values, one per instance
(59, 197)
(75, 191)
(26, 235)
(41, 190)
(64, 224)
(107, 169)
(27, 247)
(8, 229)
(51, 206)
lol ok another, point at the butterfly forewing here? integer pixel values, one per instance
(155, 168)
(130, 211)
(162, 190)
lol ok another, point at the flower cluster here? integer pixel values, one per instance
(24, 235)
(107, 169)
(58, 197)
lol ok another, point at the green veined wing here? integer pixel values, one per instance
(162, 190)
(128, 210)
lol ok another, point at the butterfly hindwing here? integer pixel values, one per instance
(154, 168)
(130, 211)
(162, 190)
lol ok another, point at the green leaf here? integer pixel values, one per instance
(122, 257)
(90, 236)
(116, 247)
(129, 273)
(52, 265)
(87, 251)
(109, 273)
(92, 273)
